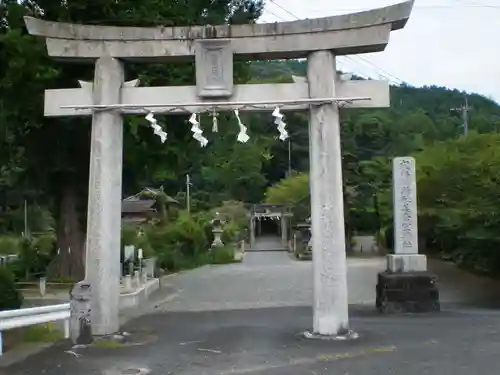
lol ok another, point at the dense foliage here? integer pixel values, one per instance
(459, 198)
(45, 162)
(10, 297)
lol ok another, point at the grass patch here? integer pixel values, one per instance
(223, 255)
(107, 344)
(42, 333)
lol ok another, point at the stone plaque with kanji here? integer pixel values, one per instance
(214, 68)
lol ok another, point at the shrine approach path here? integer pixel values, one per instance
(247, 318)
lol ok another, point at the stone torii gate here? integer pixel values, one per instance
(213, 47)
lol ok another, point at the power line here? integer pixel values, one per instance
(283, 8)
(431, 7)
(388, 76)
(428, 7)
(349, 58)
(275, 15)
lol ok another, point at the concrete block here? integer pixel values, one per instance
(406, 263)
(407, 292)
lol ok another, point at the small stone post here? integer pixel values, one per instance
(252, 231)
(284, 232)
(80, 313)
(137, 280)
(127, 282)
(406, 286)
(43, 286)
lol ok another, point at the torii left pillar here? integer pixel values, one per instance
(104, 199)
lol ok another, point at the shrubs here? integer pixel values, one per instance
(183, 241)
(33, 255)
(232, 232)
(236, 216)
(179, 244)
(9, 245)
(10, 297)
(222, 255)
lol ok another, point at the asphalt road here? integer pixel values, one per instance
(269, 342)
(248, 318)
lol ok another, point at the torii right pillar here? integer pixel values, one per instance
(327, 202)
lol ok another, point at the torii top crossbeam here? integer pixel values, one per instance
(361, 32)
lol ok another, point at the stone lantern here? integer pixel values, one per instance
(217, 229)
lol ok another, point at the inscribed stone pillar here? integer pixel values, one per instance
(405, 257)
(104, 202)
(327, 206)
(406, 286)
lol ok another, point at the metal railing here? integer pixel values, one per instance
(34, 315)
(41, 286)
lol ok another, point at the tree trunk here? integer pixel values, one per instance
(69, 262)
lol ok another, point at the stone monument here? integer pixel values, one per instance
(406, 286)
(213, 48)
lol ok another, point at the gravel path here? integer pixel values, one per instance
(274, 279)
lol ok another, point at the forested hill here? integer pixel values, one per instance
(418, 117)
(434, 101)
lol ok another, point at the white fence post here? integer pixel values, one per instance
(43, 286)
(66, 329)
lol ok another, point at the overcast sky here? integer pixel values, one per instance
(452, 43)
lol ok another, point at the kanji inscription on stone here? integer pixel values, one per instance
(214, 68)
(405, 206)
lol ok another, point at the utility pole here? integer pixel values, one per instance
(289, 157)
(465, 115)
(188, 193)
(26, 234)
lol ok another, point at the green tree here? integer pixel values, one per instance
(293, 191)
(51, 156)
(458, 183)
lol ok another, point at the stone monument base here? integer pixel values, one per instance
(407, 292)
(406, 263)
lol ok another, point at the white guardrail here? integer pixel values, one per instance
(10, 319)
